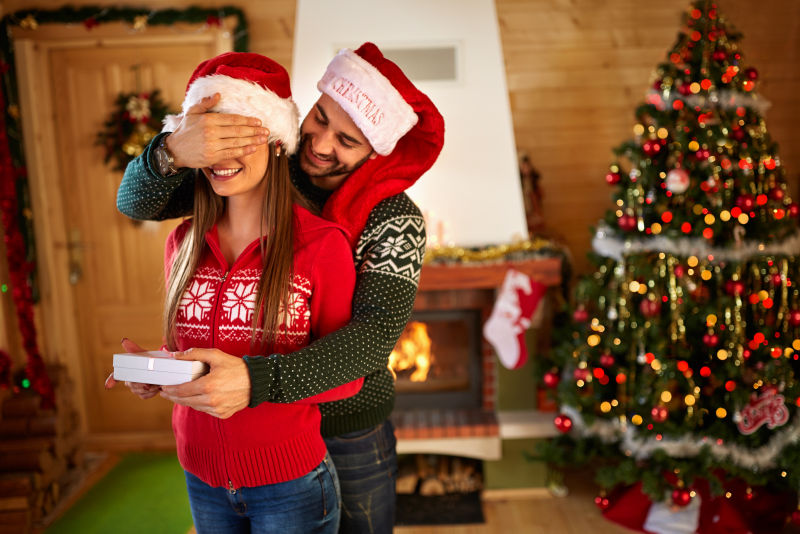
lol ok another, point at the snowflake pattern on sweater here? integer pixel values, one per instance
(238, 304)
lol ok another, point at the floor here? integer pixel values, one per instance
(535, 513)
(538, 512)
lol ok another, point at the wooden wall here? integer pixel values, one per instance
(576, 69)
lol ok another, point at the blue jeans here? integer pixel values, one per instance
(309, 504)
(366, 462)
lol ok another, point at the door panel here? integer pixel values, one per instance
(120, 289)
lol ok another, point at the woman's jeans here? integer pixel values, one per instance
(366, 462)
(309, 504)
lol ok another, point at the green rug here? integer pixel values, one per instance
(144, 492)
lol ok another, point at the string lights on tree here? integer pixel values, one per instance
(678, 368)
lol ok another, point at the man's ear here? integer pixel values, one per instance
(373, 155)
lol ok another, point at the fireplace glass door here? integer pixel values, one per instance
(436, 361)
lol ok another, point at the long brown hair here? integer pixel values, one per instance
(277, 251)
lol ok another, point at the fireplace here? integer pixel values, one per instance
(446, 397)
(437, 361)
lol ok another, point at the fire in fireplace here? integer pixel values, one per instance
(436, 361)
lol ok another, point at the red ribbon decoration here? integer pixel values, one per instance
(767, 409)
(19, 268)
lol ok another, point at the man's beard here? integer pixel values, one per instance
(336, 169)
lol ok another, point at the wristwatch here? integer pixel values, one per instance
(164, 160)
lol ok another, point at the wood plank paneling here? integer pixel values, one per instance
(576, 69)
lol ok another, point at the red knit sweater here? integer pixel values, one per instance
(273, 442)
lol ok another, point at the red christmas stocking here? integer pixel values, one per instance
(516, 303)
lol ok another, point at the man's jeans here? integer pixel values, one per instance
(366, 462)
(309, 504)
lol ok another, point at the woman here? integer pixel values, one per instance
(252, 272)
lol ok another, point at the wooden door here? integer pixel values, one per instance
(112, 266)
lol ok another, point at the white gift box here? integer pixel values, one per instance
(156, 367)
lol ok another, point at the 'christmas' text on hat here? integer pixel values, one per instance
(251, 85)
(369, 98)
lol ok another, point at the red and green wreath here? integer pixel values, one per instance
(136, 119)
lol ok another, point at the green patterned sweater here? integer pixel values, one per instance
(388, 259)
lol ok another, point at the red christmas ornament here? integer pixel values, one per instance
(651, 148)
(650, 308)
(679, 271)
(684, 89)
(606, 360)
(794, 317)
(563, 423)
(90, 23)
(738, 134)
(580, 374)
(734, 287)
(719, 55)
(751, 73)
(746, 202)
(613, 178)
(794, 209)
(580, 315)
(601, 502)
(659, 413)
(710, 340)
(796, 517)
(776, 279)
(626, 222)
(681, 497)
(550, 379)
(776, 194)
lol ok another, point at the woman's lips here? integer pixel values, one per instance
(223, 174)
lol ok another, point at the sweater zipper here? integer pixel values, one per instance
(230, 268)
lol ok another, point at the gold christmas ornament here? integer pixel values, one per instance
(136, 142)
(29, 23)
(140, 22)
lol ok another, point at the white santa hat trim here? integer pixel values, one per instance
(369, 98)
(242, 97)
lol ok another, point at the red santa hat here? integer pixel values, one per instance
(249, 84)
(407, 132)
(374, 104)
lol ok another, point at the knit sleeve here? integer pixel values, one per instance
(386, 287)
(145, 194)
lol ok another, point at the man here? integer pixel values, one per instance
(369, 137)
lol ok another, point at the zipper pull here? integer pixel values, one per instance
(231, 489)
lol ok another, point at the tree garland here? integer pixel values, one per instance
(14, 195)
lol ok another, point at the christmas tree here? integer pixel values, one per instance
(676, 374)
